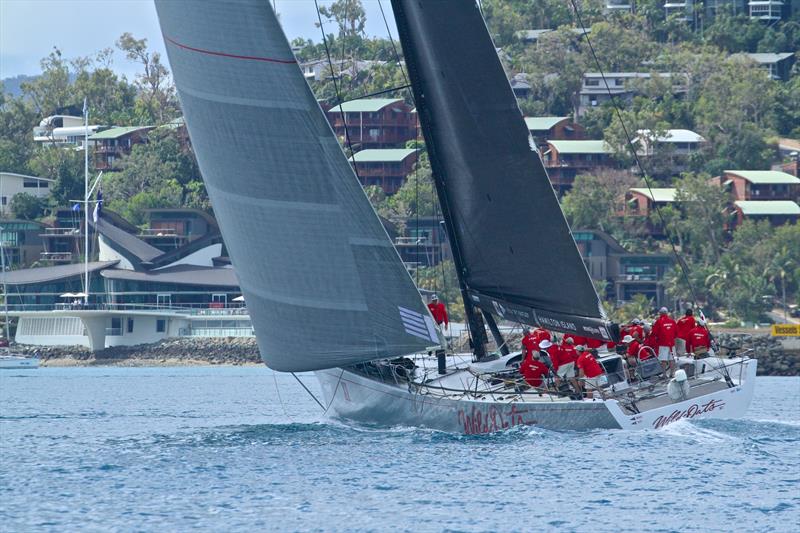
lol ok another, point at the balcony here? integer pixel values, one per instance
(619, 5)
(61, 232)
(56, 257)
(766, 9)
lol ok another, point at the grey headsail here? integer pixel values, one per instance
(322, 281)
(512, 246)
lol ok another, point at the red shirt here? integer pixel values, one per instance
(651, 341)
(594, 343)
(533, 371)
(685, 325)
(529, 345)
(665, 329)
(633, 349)
(568, 354)
(698, 337)
(438, 312)
(637, 332)
(541, 334)
(555, 355)
(591, 368)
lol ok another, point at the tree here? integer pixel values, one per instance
(63, 166)
(596, 200)
(157, 101)
(26, 206)
(51, 91)
(704, 208)
(17, 120)
(349, 16)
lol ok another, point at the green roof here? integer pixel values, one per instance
(581, 147)
(116, 133)
(765, 177)
(542, 123)
(386, 155)
(660, 195)
(768, 207)
(366, 105)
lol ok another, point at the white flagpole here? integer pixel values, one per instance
(86, 202)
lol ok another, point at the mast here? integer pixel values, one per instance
(86, 203)
(5, 288)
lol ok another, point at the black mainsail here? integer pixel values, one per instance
(323, 284)
(513, 249)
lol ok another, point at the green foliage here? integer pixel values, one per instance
(17, 119)
(160, 173)
(157, 102)
(639, 306)
(595, 200)
(64, 166)
(26, 206)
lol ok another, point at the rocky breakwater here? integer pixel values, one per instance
(777, 356)
(178, 351)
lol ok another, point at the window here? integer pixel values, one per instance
(592, 83)
(130, 325)
(161, 325)
(4, 200)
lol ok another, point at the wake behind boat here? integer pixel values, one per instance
(311, 254)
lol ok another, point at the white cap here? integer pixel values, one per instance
(545, 344)
(663, 310)
(627, 338)
(680, 375)
(434, 297)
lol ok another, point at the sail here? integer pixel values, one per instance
(512, 246)
(323, 284)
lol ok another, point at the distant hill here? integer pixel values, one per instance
(13, 87)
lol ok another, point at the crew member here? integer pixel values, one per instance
(533, 370)
(685, 324)
(589, 370)
(541, 334)
(566, 362)
(637, 330)
(699, 342)
(665, 329)
(632, 347)
(550, 352)
(438, 311)
(529, 344)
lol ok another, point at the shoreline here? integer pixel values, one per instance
(136, 363)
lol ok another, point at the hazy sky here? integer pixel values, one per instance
(30, 28)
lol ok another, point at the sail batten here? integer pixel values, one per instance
(323, 285)
(512, 244)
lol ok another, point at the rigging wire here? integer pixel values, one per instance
(306, 389)
(336, 89)
(684, 267)
(681, 263)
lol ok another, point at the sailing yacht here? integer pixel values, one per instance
(326, 290)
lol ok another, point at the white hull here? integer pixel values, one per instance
(16, 362)
(364, 400)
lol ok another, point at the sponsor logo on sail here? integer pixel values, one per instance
(418, 325)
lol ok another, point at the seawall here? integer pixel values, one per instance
(776, 356)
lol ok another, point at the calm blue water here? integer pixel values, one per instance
(215, 449)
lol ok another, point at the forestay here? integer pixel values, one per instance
(322, 281)
(511, 243)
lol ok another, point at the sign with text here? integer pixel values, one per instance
(786, 330)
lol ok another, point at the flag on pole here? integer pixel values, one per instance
(76, 207)
(85, 106)
(98, 207)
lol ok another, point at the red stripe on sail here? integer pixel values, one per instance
(234, 56)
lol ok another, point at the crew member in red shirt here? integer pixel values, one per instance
(566, 362)
(637, 330)
(649, 346)
(665, 329)
(631, 353)
(438, 311)
(533, 370)
(541, 334)
(589, 370)
(699, 338)
(685, 324)
(552, 351)
(529, 344)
